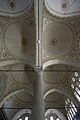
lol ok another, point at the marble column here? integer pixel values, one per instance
(38, 102)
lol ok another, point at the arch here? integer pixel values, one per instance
(61, 61)
(10, 95)
(14, 61)
(20, 113)
(57, 112)
(62, 92)
(14, 93)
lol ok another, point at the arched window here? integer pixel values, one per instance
(23, 117)
(58, 119)
(46, 119)
(51, 118)
(26, 118)
(75, 85)
(54, 114)
(24, 114)
(20, 118)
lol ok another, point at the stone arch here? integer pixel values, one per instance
(14, 61)
(20, 113)
(61, 61)
(61, 92)
(14, 93)
(55, 111)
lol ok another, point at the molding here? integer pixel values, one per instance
(61, 61)
(62, 91)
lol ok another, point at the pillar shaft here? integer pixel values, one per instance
(38, 102)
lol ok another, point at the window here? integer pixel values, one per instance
(73, 79)
(26, 118)
(20, 118)
(70, 108)
(68, 117)
(77, 90)
(46, 119)
(72, 85)
(58, 119)
(76, 74)
(75, 85)
(51, 118)
(77, 96)
(72, 104)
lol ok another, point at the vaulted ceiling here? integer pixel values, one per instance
(59, 51)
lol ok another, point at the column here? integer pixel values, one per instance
(38, 112)
(38, 9)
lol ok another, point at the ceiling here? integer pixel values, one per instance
(63, 8)
(60, 51)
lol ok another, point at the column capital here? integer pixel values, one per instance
(38, 70)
